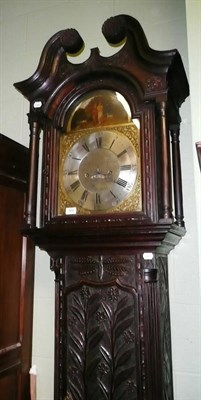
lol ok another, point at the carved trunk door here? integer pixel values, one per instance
(107, 329)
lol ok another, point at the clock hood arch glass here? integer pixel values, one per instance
(99, 157)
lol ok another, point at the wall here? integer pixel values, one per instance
(25, 27)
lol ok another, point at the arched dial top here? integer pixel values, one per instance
(99, 171)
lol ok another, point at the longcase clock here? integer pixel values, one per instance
(110, 169)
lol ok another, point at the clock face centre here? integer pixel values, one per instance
(98, 170)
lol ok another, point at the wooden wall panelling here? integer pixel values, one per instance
(16, 274)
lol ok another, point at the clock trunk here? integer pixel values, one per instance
(113, 331)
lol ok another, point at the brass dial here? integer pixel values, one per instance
(100, 170)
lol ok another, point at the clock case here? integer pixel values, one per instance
(110, 266)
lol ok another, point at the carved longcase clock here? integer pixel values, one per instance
(110, 168)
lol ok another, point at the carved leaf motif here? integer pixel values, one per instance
(122, 376)
(106, 355)
(75, 390)
(124, 350)
(104, 391)
(75, 350)
(99, 349)
(94, 337)
(92, 367)
(123, 360)
(122, 320)
(78, 313)
(93, 305)
(122, 303)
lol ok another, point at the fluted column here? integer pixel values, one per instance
(166, 174)
(31, 201)
(177, 179)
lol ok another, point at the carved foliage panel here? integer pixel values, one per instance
(101, 329)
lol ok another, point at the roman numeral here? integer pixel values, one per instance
(125, 167)
(112, 144)
(85, 147)
(122, 153)
(73, 172)
(76, 158)
(98, 199)
(114, 195)
(121, 182)
(75, 185)
(84, 195)
(99, 142)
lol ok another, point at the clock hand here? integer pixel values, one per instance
(99, 174)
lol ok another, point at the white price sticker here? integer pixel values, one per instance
(71, 211)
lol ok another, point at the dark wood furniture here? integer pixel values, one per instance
(16, 274)
(112, 328)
